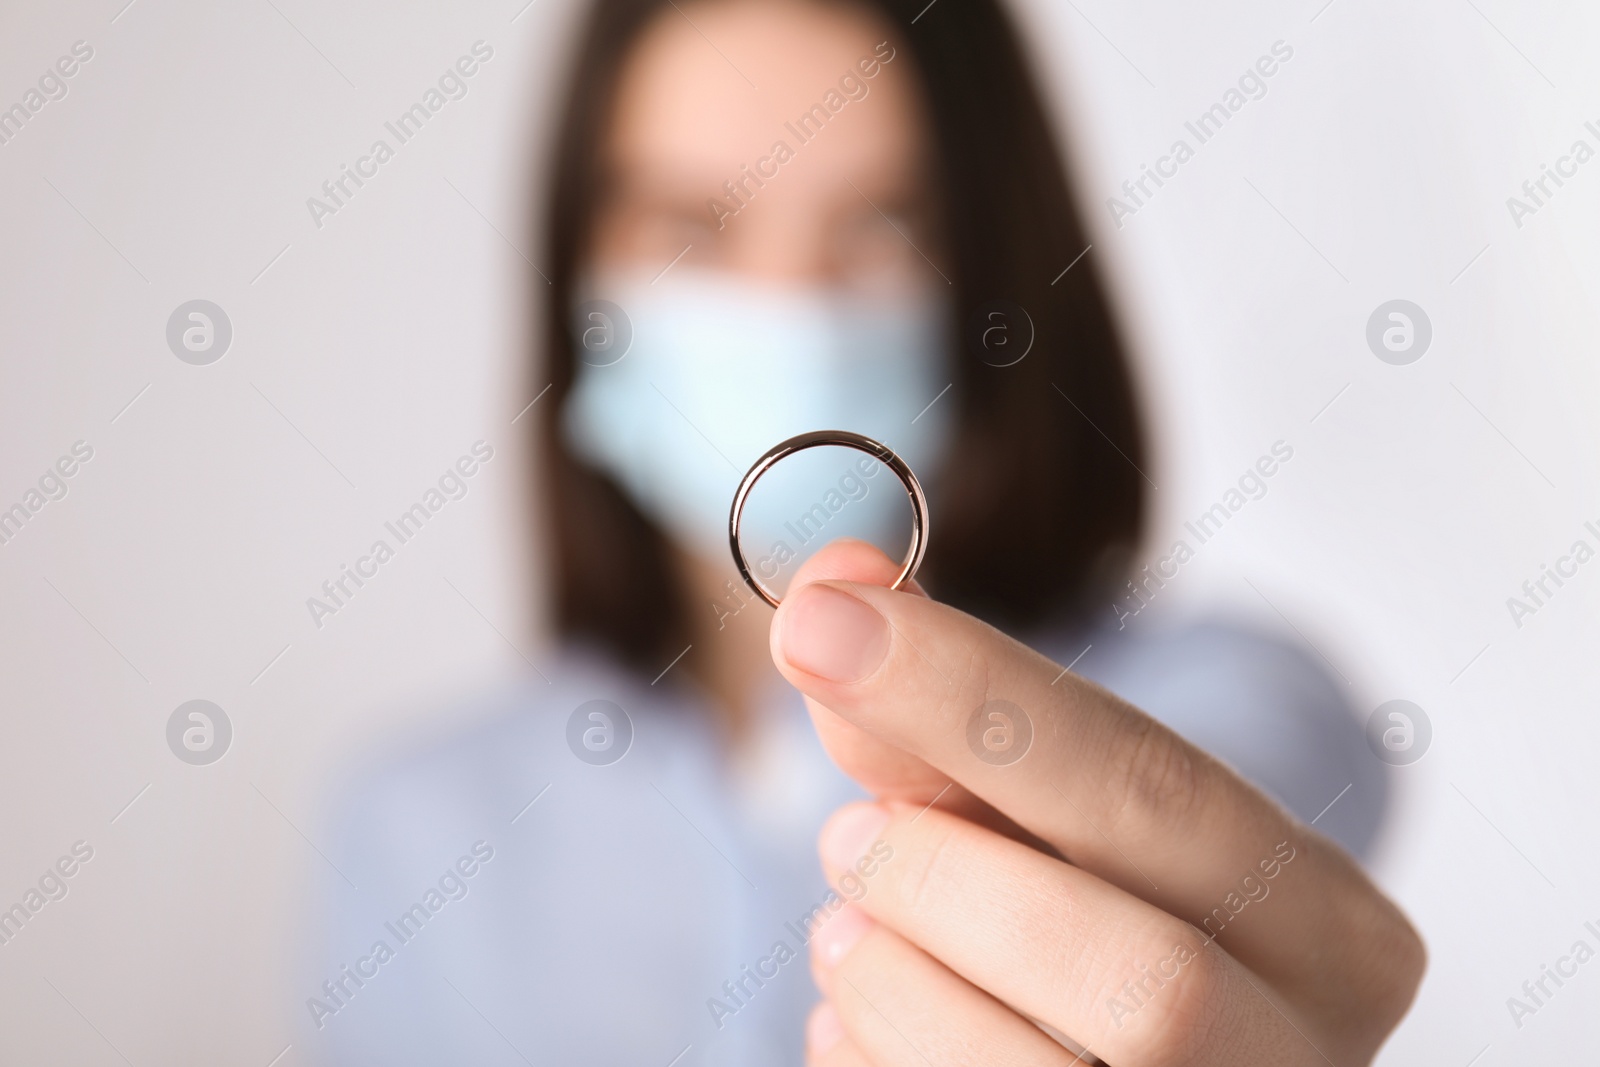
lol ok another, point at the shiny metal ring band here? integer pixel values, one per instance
(844, 439)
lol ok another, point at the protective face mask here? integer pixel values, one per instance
(719, 369)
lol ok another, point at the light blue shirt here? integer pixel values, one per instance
(654, 908)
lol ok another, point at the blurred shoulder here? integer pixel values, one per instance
(482, 758)
(1235, 660)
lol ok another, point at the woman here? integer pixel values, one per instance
(771, 216)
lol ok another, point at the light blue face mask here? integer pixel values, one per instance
(719, 369)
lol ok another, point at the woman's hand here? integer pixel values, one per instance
(1113, 883)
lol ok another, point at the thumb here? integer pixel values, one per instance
(883, 769)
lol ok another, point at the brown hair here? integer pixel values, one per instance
(1042, 489)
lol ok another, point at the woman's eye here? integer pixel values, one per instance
(654, 231)
(676, 220)
(870, 243)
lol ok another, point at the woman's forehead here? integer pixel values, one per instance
(715, 85)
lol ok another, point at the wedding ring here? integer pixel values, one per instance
(844, 439)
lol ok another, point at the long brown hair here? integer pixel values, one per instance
(1043, 486)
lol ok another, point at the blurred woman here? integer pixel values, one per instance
(774, 216)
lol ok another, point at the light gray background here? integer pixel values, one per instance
(369, 354)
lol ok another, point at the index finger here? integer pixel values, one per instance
(1116, 792)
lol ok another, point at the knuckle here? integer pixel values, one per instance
(966, 684)
(1394, 971)
(858, 966)
(929, 868)
(1412, 960)
(1182, 1024)
(1151, 773)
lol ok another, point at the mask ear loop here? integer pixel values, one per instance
(844, 438)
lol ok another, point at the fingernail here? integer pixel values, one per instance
(823, 1029)
(851, 832)
(838, 934)
(833, 635)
